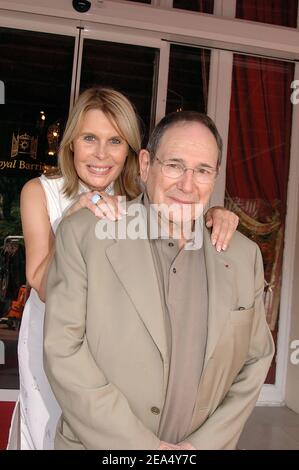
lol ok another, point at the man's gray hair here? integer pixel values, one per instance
(181, 117)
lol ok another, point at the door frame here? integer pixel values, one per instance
(117, 35)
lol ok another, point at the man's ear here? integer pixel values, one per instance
(144, 164)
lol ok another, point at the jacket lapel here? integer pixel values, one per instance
(133, 264)
(220, 292)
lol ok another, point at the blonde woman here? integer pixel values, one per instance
(98, 154)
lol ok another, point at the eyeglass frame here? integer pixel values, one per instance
(185, 168)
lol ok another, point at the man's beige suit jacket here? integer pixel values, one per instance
(105, 346)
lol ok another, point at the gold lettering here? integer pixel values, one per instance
(4, 164)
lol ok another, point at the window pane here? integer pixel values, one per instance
(36, 69)
(129, 69)
(279, 12)
(258, 163)
(188, 79)
(203, 6)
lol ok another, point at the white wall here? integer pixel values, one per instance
(292, 384)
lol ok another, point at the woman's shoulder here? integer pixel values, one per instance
(40, 182)
(32, 197)
(52, 183)
(45, 190)
(57, 200)
(31, 188)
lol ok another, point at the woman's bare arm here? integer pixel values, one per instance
(38, 235)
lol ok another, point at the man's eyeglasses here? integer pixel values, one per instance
(175, 170)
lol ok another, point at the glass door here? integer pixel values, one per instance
(41, 72)
(36, 69)
(132, 63)
(130, 69)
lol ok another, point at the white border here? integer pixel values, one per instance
(117, 19)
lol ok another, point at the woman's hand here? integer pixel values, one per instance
(108, 207)
(224, 223)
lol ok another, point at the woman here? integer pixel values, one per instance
(98, 154)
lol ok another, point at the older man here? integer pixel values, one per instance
(157, 343)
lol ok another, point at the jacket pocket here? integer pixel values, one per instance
(242, 315)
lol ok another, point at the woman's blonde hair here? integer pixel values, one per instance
(120, 112)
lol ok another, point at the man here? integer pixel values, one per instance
(157, 343)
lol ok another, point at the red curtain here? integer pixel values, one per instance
(6, 410)
(259, 148)
(260, 130)
(279, 12)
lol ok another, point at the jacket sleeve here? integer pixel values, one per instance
(223, 427)
(96, 411)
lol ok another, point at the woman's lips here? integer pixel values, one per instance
(99, 170)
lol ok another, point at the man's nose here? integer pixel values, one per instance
(186, 181)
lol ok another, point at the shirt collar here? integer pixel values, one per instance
(156, 229)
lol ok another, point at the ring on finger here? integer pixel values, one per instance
(96, 198)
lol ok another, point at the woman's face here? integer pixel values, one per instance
(99, 151)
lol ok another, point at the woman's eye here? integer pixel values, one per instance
(89, 138)
(115, 140)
